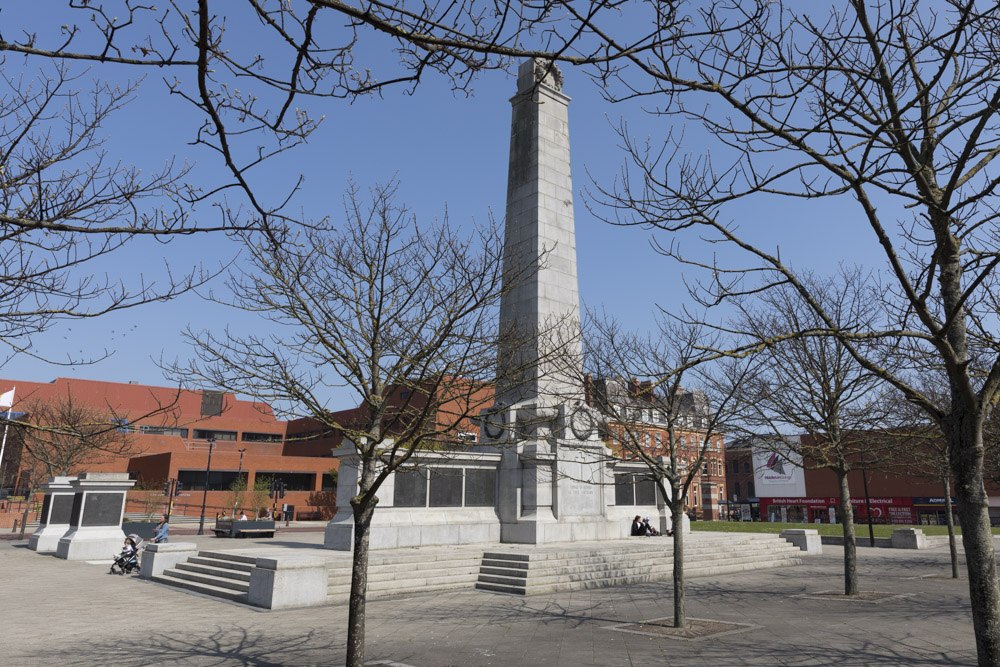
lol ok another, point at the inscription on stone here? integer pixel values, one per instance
(62, 508)
(580, 498)
(103, 509)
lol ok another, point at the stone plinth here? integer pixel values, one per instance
(294, 581)
(95, 530)
(908, 538)
(393, 526)
(57, 508)
(164, 556)
(806, 539)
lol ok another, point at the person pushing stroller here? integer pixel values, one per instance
(127, 560)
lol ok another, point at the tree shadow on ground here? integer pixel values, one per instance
(217, 646)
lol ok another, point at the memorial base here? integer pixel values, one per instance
(97, 543)
(394, 527)
(46, 538)
(570, 529)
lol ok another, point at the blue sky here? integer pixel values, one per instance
(449, 152)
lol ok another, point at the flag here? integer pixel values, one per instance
(7, 399)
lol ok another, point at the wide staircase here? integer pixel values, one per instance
(547, 570)
(216, 573)
(396, 573)
(504, 568)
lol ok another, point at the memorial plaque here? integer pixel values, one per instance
(74, 518)
(46, 503)
(103, 509)
(62, 508)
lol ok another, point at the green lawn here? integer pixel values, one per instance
(861, 529)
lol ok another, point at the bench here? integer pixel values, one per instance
(244, 529)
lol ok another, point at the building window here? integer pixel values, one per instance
(746, 467)
(329, 482)
(194, 480)
(261, 437)
(659, 443)
(294, 481)
(162, 430)
(736, 490)
(205, 434)
(750, 493)
(736, 467)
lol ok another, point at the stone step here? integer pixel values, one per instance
(228, 556)
(640, 558)
(513, 587)
(548, 575)
(204, 589)
(214, 571)
(210, 580)
(404, 575)
(220, 563)
(341, 595)
(411, 587)
(665, 546)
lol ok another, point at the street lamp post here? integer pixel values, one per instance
(239, 481)
(204, 497)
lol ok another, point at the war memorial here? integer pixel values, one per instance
(538, 520)
(539, 446)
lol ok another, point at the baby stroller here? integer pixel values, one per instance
(127, 562)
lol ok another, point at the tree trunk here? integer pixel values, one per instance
(974, 516)
(850, 542)
(677, 517)
(952, 546)
(359, 571)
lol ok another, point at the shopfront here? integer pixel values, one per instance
(931, 511)
(898, 511)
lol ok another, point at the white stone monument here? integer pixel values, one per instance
(57, 508)
(95, 530)
(554, 480)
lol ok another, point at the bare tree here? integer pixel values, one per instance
(253, 102)
(403, 315)
(67, 204)
(62, 435)
(693, 421)
(892, 106)
(813, 385)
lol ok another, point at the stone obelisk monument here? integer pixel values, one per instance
(554, 481)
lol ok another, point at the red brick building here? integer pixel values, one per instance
(646, 421)
(897, 491)
(171, 432)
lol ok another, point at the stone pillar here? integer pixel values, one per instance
(540, 245)
(553, 479)
(95, 530)
(339, 532)
(57, 508)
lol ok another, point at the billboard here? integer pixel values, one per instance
(778, 474)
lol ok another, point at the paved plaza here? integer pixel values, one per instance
(73, 613)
